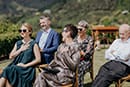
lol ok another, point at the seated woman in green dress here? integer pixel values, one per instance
(26, 54)
(61, 70)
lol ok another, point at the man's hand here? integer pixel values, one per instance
(112, 51)
(41, 50)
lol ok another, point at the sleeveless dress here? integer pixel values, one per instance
(21, 76)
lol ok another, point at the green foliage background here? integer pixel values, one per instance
(96, 12)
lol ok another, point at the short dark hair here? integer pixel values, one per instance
(45, 16)
(73, 30)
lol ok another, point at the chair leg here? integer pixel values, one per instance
(1, 70)
(118, 83)
(91, 73)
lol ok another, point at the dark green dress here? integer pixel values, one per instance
(20, 76)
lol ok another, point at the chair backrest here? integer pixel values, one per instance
(39, 67)
(76, 79)
(91, 69)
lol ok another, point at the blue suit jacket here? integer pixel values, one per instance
(50, 47)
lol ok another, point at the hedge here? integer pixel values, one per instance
(7, 42)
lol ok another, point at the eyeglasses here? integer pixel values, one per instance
(80, 29)
(22, 30)
(64, 30)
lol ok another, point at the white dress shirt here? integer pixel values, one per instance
(43, 38)
(119, 51)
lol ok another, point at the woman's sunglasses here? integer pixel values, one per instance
(80, 29)
(22, 30)
(64, 30)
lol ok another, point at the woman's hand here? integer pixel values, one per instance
(24, 47)
(21, 64)
(64, 49)
(82, 53)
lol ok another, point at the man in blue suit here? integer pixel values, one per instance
(47, 39)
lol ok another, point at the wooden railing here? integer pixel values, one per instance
(98, 30)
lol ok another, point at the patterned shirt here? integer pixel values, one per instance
(87, 45)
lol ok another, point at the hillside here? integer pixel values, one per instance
(107, 12)
(96, 12)
(24, 6)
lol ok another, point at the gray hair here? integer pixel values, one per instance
(83, 23)
(125, 26)
(45, 16)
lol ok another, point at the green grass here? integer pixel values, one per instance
(98, 61)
